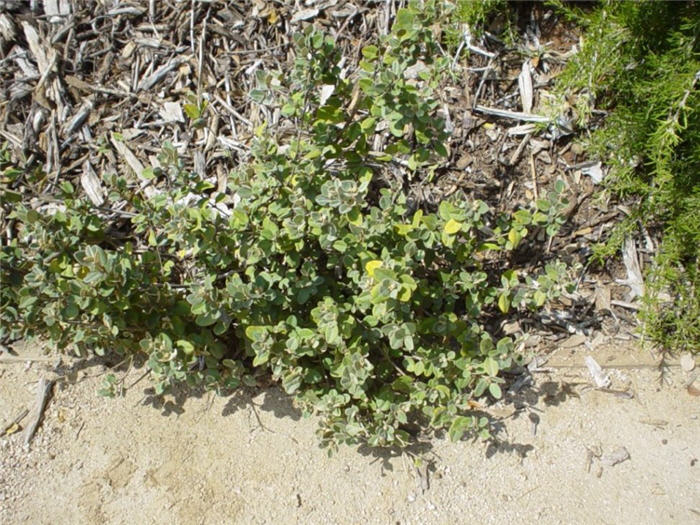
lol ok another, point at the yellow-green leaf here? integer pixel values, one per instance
(452, 226)
(403, 229)
(417, 218)
(371, 266)
(514, 237)
(540, 297)
(503, 303)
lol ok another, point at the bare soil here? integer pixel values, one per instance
(252, 458)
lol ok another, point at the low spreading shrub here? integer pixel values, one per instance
(316, 266)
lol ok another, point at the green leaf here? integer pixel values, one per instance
(11, 196)
(93, 277)
(441, 149)
(523, 217)
(258, 95)
(370, 52)
(292, 381)
(495, 390)
(368, 124)
(314, 153)
(186, 346)
(491, 366)
(256, 333)
(269, 229)
(261, 357)
(27, 301)
(459, 426)
(152, 240)
(405, 18)
(504, 345)
(514, 237)
(71, 310)
(481, 386)
(330, 114)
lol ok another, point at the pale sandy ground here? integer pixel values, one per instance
(242, 460)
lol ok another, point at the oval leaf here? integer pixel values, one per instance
(452, 226)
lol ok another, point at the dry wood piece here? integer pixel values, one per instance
(514, 115)
(91, 184)
(159, 74)
(43, 393)
(634, 279)
(600, 378)
(525, 87)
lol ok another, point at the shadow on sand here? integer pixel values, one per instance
(522, 401)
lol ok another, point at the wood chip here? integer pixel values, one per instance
(602, 297)
(8, 30)
(133, 162)
(595, 172)
(600, 378)
(160, 73)
(574, 341)
(525, 87)
(513, 115)
(304, 14)
(57, 10)
(45, 57)
(693, 390)
(634, 279)
(172, 112)
(92, 185)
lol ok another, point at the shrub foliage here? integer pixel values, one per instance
(317, 266)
